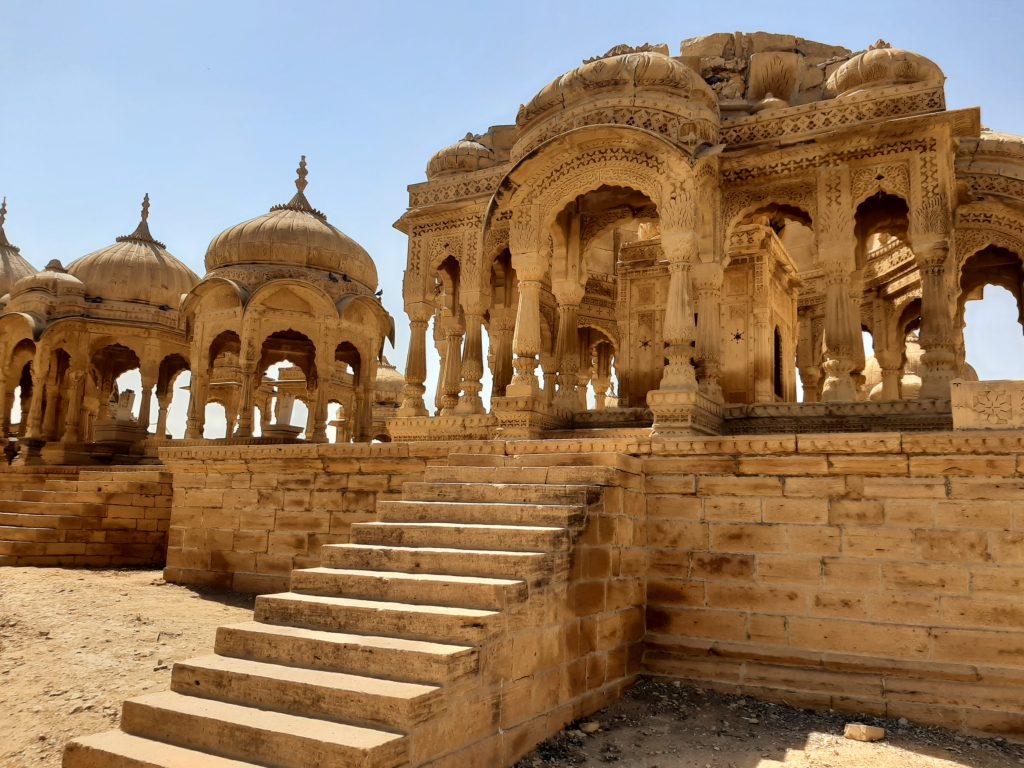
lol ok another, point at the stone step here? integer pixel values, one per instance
(268, 738)
(389, 657)
(436, 623)
(462, 591)
(338, 696)
(560, 515)
(117, 749)
(497, 492)
(438, 560)
(21, 520)
(511, 538)
(24, 533)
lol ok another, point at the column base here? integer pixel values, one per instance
(526, 417)
(682, 413)
(482, 426)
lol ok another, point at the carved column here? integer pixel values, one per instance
(40, 372)
(939, 357)
(707, 285)
(806, 361)
(678, 330)
(764, 391)
(503, 323)
(568, 294)
(416, 363)
(602, 374)
(197, 391)
(526, 341)
(245, 401)
(472, 363)
(163, 403)
(76, 393)
(836, 248)
(451, 376)
(148, 373)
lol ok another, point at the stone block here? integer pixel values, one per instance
(740, 509)
(802, 511)
(754, 538)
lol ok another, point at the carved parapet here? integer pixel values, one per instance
(987, 404)
(454, 427)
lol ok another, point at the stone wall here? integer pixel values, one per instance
(876, 573)
(62, 516)
(869, 573)
(245, 516)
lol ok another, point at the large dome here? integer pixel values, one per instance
(293, 234)
(13, 266)
(882, 65)
(135, 268)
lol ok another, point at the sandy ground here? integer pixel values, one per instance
(75, 644)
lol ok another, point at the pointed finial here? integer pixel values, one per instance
(142, 233)
(300, 182)
(3, 218)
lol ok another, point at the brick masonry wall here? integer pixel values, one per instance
(869, 573)
(245, 516)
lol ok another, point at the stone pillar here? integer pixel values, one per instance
(196, 405)
(245, 401)
(51, 408)
(806, 360)
(891, 363)
(416, 363)
(602, 375)
(678, 330)
(549, 369)
(283, 408)
(839, 343)
(937, 342)
(707, 284)
(148, 376)
(318, 397)
(503, 323)
(526, 342)
(40, 372)
(764, 391)
(472, 363)
(567, 352)
(451, 375)
(163, 403)
(73, 418)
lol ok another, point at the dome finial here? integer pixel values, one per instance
(142, 233)
(3, 218)
(299, 201)
(300, 182)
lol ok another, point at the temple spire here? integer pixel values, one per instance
(142, 233)
(299, 201)
(3, 217)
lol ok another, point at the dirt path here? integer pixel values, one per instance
(667, 725)
(75, 644)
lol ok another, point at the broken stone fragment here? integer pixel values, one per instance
(861, 732)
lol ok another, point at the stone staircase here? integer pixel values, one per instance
(442, 635)
(67, 517)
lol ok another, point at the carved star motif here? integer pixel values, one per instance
(645, 343)
(737, 336)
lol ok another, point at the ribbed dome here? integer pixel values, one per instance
(629, 73)
(390, 384)
(13, 266)
(135, 268)
(882, 65)
(294, 234)
(54, 279)
(462, 156)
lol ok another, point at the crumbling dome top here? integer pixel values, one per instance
(647, 69)
(880, 66)
(293, 234)
(460, 157)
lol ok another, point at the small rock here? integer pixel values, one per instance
(903, 721)
(861, 732)
(591, 726)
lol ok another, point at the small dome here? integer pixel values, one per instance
(13, 266)
(461, 157)
(135, 268)
(389, 385)
(630, 73)
(293, 234)
(54, 280)
(879, 66)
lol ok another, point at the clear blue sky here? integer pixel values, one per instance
(207, 105)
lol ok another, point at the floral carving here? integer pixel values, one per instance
(994, 406)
